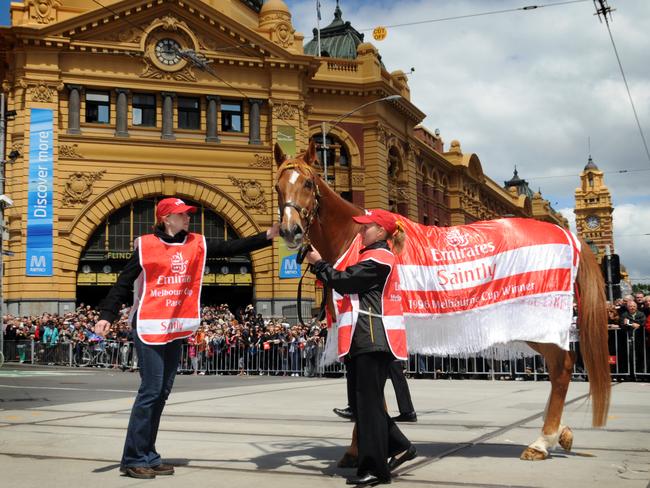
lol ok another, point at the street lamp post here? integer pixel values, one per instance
(3, 129)
(5, 202)
(325, 127)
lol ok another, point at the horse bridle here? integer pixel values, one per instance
(307, 215)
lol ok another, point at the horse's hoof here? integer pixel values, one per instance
(348, 461)
(532, 454)
(566, 439)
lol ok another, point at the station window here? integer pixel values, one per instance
(231, 116)
(98, 107)
(144, 110)
(189, 113)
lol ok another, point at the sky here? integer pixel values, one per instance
(526, 88)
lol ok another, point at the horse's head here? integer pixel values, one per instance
(297, 194)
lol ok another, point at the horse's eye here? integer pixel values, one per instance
(309, 184)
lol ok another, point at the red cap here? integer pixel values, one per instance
(381, 217)
(168, 206)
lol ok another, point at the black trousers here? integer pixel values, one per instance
(398, 378)
(377, 435)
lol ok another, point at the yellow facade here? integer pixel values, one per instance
(68, 55)
(594, 210)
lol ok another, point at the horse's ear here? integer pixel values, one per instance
(310, 155)
(280, 157)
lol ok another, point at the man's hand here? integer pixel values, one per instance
(313, 256)
(273, 231)
(101, 327)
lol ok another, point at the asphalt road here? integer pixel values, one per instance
(63, 427)
(27, 386)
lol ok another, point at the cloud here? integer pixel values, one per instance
(632, 239)
(526, 88)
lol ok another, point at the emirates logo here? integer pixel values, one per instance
(456, 238)
(179, 264)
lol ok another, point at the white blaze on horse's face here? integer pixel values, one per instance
(296, 195)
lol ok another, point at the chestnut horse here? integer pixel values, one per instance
(311, 212)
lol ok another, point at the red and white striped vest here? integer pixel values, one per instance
(392, 316)
(169, 297)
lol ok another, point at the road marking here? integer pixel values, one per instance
(9, 373)
(65, 388)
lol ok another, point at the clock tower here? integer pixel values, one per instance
(594, 210)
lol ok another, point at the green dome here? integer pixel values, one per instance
(338, 40)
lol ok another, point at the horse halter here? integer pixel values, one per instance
(307, 215)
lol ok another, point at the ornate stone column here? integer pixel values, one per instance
(168, 116)
(121, 126)
(212, 122)
(254, 114)
(74, 108)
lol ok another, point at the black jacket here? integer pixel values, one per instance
(367, 279)
(121, 291)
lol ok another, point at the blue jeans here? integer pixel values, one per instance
(158, 366)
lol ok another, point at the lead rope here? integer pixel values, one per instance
(304, 249)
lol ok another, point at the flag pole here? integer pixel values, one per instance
(318, 16)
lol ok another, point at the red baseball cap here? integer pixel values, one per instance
(378, 216)
(168, 206)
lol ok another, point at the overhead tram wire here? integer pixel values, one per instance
(604, 11)
(480, 14)
(573, 175)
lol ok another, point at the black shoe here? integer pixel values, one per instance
(344, 413)
(406, 417)
(366, 480)
(397, 461)
(140, 472)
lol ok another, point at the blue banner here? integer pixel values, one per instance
(39, 196)
(289, 267)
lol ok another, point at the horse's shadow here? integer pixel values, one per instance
(302, 455)
(313, 457)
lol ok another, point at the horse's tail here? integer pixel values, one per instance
(592, 317)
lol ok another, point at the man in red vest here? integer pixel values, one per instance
(166, 273)
(371, 335)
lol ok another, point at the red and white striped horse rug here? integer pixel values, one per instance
(491, 284)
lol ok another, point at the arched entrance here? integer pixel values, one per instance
(226, 280)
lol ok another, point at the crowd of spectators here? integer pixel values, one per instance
(243, 342)
(240, 341)
(629, 338)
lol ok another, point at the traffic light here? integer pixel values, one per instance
(613, 262)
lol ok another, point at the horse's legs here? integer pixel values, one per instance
(351, 456)
(560, 364)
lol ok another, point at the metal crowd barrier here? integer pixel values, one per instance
(275, 359)
(629, 359)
